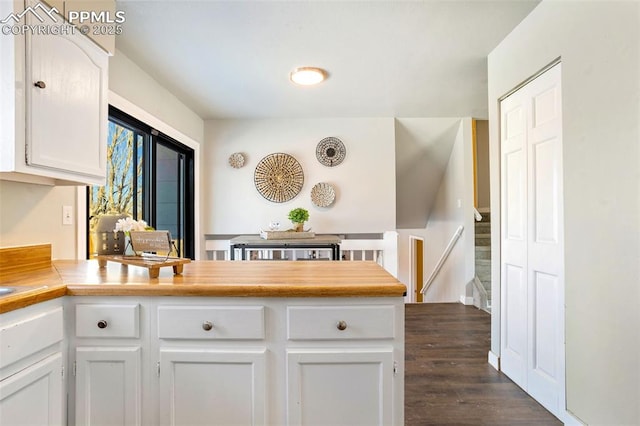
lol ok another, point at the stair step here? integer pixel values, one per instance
(483, 227)
(483, 240)
(483, 256)
(483, 270)
(483, 252)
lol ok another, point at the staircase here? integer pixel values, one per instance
(482, 299)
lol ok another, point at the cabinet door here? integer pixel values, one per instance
(207, 387)
(340, 387)
(108, 386)
(66, 104)
(34, 396)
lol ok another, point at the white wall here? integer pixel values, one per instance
(446, 216)
(599, 45)
(32, 214)
(423, 148)
(131, 82)
(364, 182)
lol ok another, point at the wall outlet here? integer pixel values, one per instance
(67, 215)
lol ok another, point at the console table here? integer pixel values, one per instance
(244, 242)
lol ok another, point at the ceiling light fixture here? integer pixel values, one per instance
(307, 76)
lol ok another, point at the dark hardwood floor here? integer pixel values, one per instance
(447, 378)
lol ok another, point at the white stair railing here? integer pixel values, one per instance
(477, 215)
(443, 259)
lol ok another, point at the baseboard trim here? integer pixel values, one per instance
(466, 300)
(494, 360)
(570, 420)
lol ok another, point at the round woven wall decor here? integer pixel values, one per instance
(330, 151)
(323, 194)
(278, 177)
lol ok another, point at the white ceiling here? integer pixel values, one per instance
(231, 59)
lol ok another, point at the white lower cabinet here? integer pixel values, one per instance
(35, 395)
(108, 340)
(212, 387)
(237, 361)
(340, 387)
(212, 359)
(343, 364)
(108, 386)
(32, 382)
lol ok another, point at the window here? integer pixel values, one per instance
(149, 177)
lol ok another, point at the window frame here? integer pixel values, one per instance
(152, 137)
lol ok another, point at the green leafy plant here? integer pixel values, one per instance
(299, 215)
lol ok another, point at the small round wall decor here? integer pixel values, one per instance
(278, 177)
(330, 151)
(323, 194)
(236, 160)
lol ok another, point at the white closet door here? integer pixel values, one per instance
(532, 258)
(514, 238)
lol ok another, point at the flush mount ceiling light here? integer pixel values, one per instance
(307, 76)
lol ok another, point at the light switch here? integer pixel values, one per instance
(67, 215)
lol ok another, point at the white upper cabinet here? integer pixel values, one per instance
(54, 92)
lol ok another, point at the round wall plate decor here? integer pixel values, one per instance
(323, 194)
(236, 160)
(278, 177)
(330, 151)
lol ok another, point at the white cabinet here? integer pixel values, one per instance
(212, 387)
(212, 364)
(340, 387)
(231, 361)
(32, 383)
(107, 354)
(54, 104)
(34, 396)
(108, 385)
(343, 365)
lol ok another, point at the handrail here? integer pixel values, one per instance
(477, 215)
(444, 257)
(478, 285)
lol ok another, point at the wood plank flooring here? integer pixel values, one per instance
(447, 378)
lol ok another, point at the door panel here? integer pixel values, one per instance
(208, 387)
(515, 202)
(532, 265)
(69, 107)
(545, 251)
(34, 396)
(108, 386)
(339, 387)
(514, 234)
(545, 197)
(515, 322)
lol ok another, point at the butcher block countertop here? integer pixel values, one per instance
(199, 278)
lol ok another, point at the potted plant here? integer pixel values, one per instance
(298, 216)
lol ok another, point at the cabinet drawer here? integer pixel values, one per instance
(211, 322)
(30, 335)
(340, 322)
(108, 320)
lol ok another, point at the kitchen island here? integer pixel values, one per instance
(273, 342)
